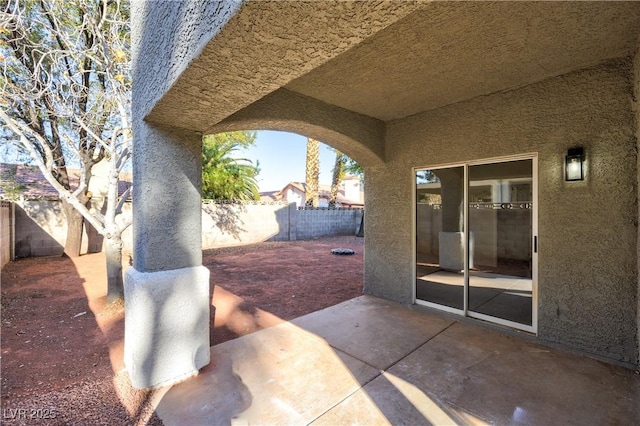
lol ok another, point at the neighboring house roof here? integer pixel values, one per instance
(324, 192)
(271, 196)
(29, 182)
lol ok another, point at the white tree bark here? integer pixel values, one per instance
(65, 96)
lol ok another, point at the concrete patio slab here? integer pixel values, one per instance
(280, 375)
(474, 373)
(438, 371)
(390, 400)
(376, 331)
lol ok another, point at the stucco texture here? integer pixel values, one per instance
(193, 79)
(167, 181)
(587, 230)
(166, 35)
(636, 110)
(356, 135)
(166, 325)
(494, 78)
(447, 52)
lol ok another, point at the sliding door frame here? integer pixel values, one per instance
(533, 328)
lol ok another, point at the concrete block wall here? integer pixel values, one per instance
(497, 234)
(484, 224)
(41, 226)
(225, 225)
(514, 234)
(428, 226)
(237, 224)
(314, 223)
(40, 229)
(5, 233)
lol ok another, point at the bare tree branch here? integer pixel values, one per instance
(65, 96)
(123, 199)
(22, 132)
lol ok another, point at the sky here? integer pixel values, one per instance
(282, 158)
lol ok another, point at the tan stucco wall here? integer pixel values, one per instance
(587, 233)
(166, 35)
(359, 136)
(451, 51)
(636, 109)
(202, 60)
(184, 78)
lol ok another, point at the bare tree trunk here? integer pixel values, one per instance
(75, 222)
(94, 239)
(113, 254)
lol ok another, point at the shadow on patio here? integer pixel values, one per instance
(370, 361)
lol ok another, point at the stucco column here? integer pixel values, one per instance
(452, 191)
(451, 239)
(167, 290)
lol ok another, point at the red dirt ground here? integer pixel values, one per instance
(61, 345)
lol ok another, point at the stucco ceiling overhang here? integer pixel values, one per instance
(263, 47)
(388, 60)
(449, 52)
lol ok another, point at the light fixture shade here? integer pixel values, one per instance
(574, 164)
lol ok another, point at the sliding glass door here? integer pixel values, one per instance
(440, 234)
(476, 240)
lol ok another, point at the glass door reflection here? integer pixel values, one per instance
(440, 255)
(500, 223)
(474, 230)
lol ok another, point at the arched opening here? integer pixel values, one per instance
(278, 264)
(359, 136)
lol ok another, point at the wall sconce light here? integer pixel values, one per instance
(574, 164)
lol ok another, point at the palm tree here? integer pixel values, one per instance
(338, 175)
(223, 176)
(312, 172)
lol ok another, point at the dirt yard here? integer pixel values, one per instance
(61, 345)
